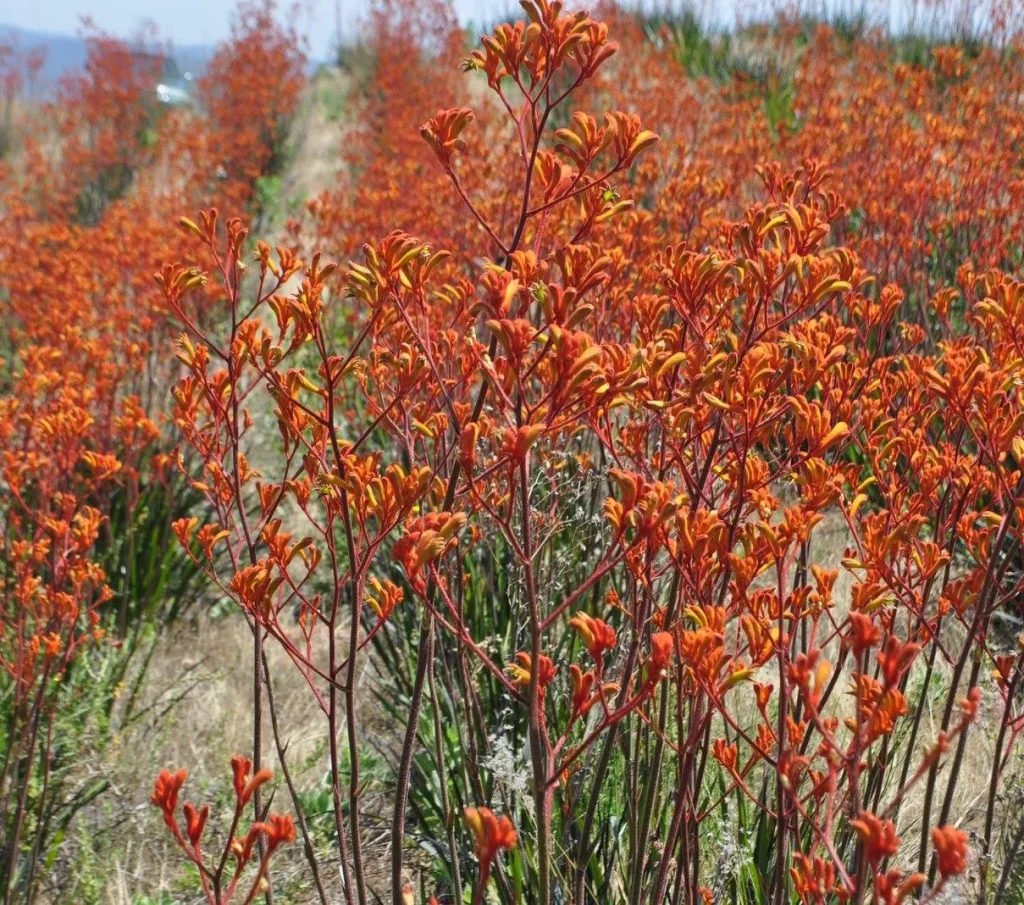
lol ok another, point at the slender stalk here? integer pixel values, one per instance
(442, 772)
(539, 754)
(993, 788)
(582, 854)
(980, 620)
(1011, 861)
(300, 811)
(335, 761)
(356, 589)
(416, 701)
(426, 652)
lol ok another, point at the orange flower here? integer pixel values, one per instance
(895, 889)
(895, 658)
(811, 673)
(662, 648)
(280, 828)
(864, 632)
(383, 597)
(165, 794)
(813, 878)
(244, 786)
(425, 540)
(582, 685)
(951, 849)
(492, 834)
(582, 682)
(195, 821)
(442, 132)
(255, 586)
(521, 671)
(726, 754)
(878, 836)
(598, 636)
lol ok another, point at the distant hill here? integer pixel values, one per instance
(65, 53)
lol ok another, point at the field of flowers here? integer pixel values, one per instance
(622, 458)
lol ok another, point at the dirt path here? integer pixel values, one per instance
(313, 157)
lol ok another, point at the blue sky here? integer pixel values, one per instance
(194, 21)
(180, 21)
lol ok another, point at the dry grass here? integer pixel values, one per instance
(196, 713)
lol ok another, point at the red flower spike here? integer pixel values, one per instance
(896, 658)
(878, 837)
(240, 768)
(521, 671)
(864, 632)
(280, 829)
(582, 683)
(195, 822)
(814, 879)
(263, 776)
(726, 754)
(242, 848)
(165, 794)
(662, 650)
(951, 849)
(583, 695)
(969, 704)
(895, 889)
(245, 787)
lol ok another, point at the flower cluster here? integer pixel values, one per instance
(222, 875)
(576, 442)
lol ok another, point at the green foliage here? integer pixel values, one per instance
(771, 82)
(355, 59)
(109, 185)
(161, 898)
(89, 874)
(56, 788)
(154, 580)
(701, 52)
(318, 803)
(267, 195)
(461, 756)
(332, 95)
(460, 743)
(154, 584)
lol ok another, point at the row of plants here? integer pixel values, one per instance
(562, 456)
(90, 574)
